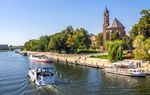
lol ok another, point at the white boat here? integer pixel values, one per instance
(41, 76)
(125, 68)
(40, 58)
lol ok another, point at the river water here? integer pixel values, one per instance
(69, 79)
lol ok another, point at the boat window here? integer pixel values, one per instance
(32, 72)
(134, 71)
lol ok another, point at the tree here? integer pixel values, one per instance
(114, 49)
(31, 45)
(127, 42)
(99, 40)
(142, 46)
(138, 41)
(115, 36)
(79, 39)
(68, 40)
(143, 26)
(43, 43)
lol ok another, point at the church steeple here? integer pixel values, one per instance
(106, 23)
(106, 10)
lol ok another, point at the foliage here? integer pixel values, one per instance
(138, 41)
(141, 47)
(143, 26)
(43, 43)
(100, 56)
(115, 36)
(31, 45)
(141, 34)
(127, 42)
(99, 40)
(68, 40)
(114, 49)
(90, 50)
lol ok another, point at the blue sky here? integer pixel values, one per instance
(21, 20)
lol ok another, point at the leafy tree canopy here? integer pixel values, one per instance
(143, 25)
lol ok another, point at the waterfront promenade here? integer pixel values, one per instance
(85, 60)
(77, 59)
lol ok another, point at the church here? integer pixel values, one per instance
(109, 29)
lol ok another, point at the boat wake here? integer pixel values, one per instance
(48, 87)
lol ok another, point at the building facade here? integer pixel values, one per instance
(4, 47)
(109, 29)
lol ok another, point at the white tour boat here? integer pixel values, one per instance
(41, 76)
(41, 58)
(125, 68)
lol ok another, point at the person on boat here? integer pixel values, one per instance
(140, 64)
(137, 64)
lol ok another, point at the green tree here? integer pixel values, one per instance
(31, 45)
(99, 40)
(43, 43)
(79, 39)
(142, 46)
(138, 41)
(68, 40)
(143, 25)
(115, 36)
(127, 42)
(114, 49)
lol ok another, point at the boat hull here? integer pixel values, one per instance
(125, 73)
(43, 81)
(34, 59)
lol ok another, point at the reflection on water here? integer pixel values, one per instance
(72, 72)
(119, 84)
(70, 79)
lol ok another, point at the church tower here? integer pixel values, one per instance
(106, 24)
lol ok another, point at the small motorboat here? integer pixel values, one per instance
(41, 76)
(40, 58)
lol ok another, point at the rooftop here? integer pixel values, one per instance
(116, 24)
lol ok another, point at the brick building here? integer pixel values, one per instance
(109, 29)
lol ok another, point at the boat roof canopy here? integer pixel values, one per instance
(126, 63)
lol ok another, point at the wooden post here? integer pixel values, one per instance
(76, 62)
(66, 61)
(57, 59)
(96, 65)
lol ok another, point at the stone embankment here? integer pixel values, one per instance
(77, 59)
(85, 60)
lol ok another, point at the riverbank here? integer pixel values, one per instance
(70, 79)
(77, 59)
(86, 60)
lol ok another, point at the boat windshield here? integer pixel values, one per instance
(44, 72)
(47, 69)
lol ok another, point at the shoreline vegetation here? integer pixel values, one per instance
(74, 45)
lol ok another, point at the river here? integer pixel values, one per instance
(69, 79)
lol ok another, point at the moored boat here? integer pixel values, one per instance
(40, 58)
(125, 68)
(41, 76)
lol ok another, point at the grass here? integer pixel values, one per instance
(99, 56)
(87, 51)
(106, 56)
